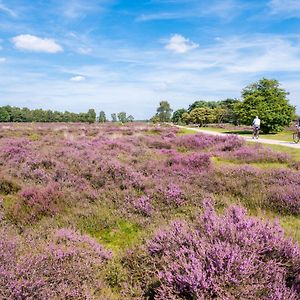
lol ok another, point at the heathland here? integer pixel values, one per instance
(139, 211)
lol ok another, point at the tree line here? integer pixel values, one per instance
(264, 98)
(16, 114)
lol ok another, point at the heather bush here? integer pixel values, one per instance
(224, 257)
(203, 141)
(67, 267)
(258, 154)
(118, 184)
(143, 205)
(284, 199)
(35, 202)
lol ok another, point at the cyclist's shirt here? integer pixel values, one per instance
(256, 123)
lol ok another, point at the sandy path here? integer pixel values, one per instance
(249, 139)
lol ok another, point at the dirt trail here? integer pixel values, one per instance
(249, 139)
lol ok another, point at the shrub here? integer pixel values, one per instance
(284, 199)
(225, 257)
(68, 267)
(35, 202)
(143, 205)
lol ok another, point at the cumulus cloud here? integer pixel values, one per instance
(33, 43)
(77, 78)
(2, 60)
(180, 44)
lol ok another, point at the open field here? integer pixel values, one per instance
(141, 211)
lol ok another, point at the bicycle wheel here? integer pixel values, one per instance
(296, 137)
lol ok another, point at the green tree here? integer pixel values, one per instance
(186, 119)
(130, 118)
(114, 117)
(122, 117)
(177, 115)
(201, 116)
(164, 111)
(267, 100)
(4, 115)
(203, 104)
(91, 116)
(102, 117)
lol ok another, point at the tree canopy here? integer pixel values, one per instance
(164, 111)
(267, 100)
(16, 114)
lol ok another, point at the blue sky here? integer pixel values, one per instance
(125, 55)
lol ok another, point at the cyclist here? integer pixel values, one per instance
(256, 127)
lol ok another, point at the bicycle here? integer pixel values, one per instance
(255, 132)
(296, 136)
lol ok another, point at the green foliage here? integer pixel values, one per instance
(267, 100)
(122, 117)
(91, 116)
(102, 117)
(130, 118)
(164, 111)
(16, 114)
(177, 116)
(114, 117)
(201, 116)
(203, 104)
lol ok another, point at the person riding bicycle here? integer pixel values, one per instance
(256, 127)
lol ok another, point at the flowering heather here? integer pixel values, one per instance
(285, 199)
(225, 257)
(68, 267)
(258, 154)
(36, 202)
(143, 205)
(68, 192)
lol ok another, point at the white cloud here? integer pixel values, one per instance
(36, 44)
(287, 8)
(2, 60)
(7, 10)
(77, 78)
(180, 44)
(84, 50)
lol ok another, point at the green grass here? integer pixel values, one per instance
(286, 135)
(219, 161)
(123, 234)
(184, 131)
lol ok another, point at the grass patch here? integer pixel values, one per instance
(184, 131)
(219, 161)
(123, 234)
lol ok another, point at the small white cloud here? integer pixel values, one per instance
(84, 50)
(7, 10)
(77, 78)
(33, 43)
(180, 44)
(2, 60)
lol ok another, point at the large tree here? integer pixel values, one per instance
(177, 115)
(102, 117)
(201, 116)
(267, 100)
(164, 111)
